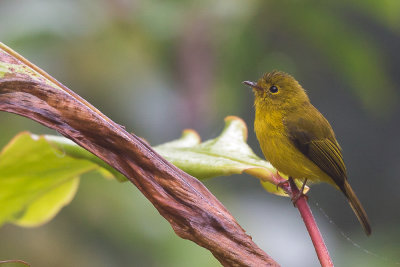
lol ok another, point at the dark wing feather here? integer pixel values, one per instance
(312, 134)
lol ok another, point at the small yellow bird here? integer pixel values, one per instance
(297, 139)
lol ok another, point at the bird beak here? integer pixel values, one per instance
(252, 84)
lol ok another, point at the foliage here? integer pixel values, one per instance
(40, 174)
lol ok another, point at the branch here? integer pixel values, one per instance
(15, 262)
(193, 212)
(301, 203)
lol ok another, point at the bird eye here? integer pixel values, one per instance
(273, 89)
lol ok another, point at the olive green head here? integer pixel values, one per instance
(277, 90)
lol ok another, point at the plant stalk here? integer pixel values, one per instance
(301, 203)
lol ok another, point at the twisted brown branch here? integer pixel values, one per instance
(193, 212)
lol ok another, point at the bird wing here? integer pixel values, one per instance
(312, 135)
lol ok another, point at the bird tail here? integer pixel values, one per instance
(357, 207)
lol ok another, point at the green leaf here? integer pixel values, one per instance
(40, 174)
(71, 149)
(225, 155)
(36, 180)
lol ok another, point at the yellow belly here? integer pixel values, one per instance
(279, 150)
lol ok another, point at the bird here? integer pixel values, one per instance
(297, 139)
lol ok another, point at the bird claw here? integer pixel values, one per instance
(297, 196)
(300, 193)
(282, 184)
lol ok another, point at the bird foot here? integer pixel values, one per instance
(282, 184)
(297, 194)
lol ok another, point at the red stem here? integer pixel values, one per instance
(312, 228)
(301, 203)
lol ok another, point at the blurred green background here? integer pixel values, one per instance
(159, 67)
